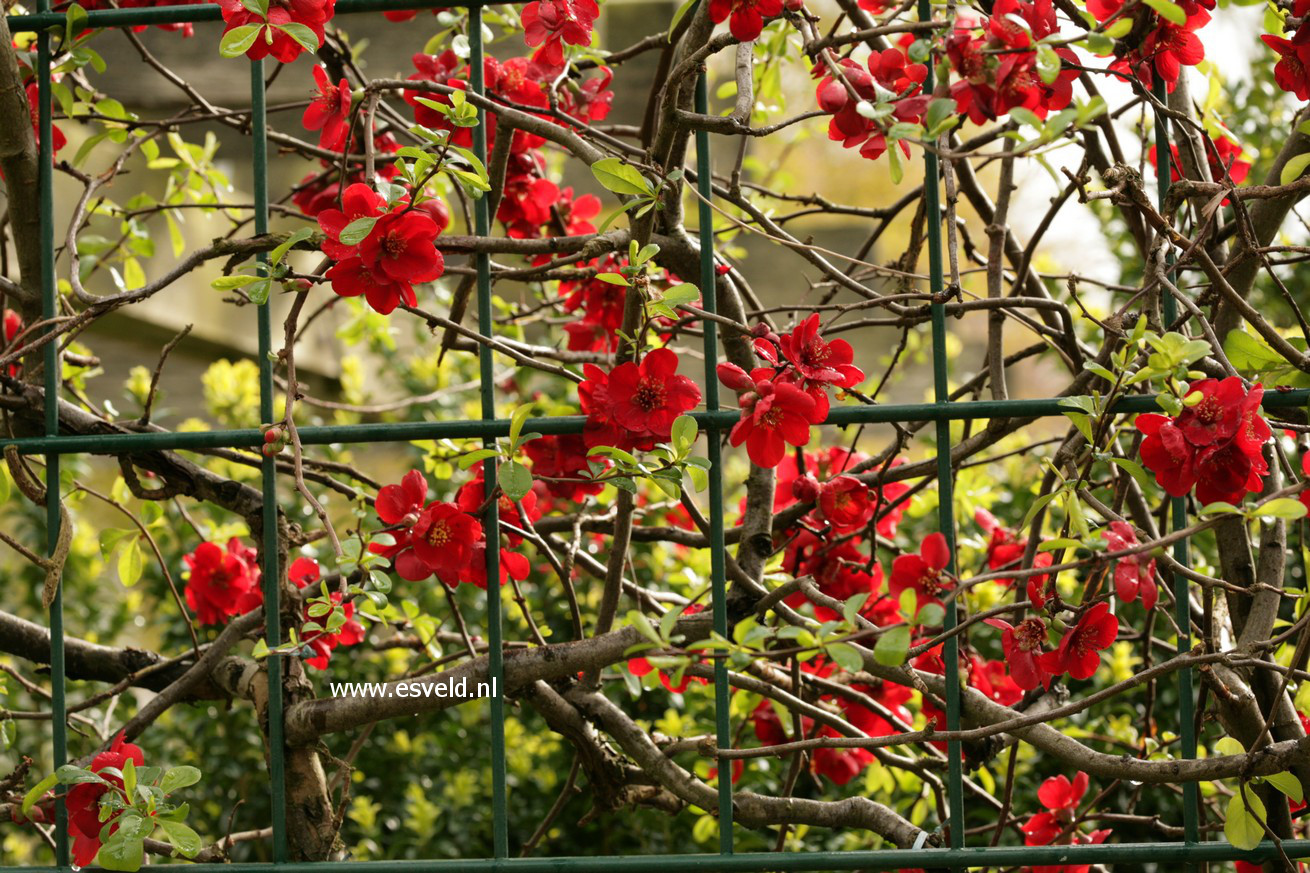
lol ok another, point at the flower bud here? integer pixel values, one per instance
(805, 488)
(273, 434)
(734, 377)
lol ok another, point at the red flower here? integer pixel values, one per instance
(401, 504)
(511, 564)
(357, 201)
(57, 138)
(817, 359)
(353, 277)
(562, 457)
(330, 112)
(1060, 799)
(774, 415)
(554, 22)
(1023, 645)
(1134, 574)
(845, 503)
(1223, 155)
(635, 405)
(1079, 653)
(222, 583)
(991, 679)
(747, 16)
(922, 572)
(305, 572)
(1166, 452)
(83, 800)
(401, 243)
(443, 538)
(471, 496)
(271, 40)
(1291, 72)
(13, 326)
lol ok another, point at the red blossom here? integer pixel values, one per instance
(83, 800)
(305, 572)
(1133, 574)
(222, 582)
(773, 416)
(923, 573)
(443, 538)
(551, 23)
(845, 503)
(329, 113)
(635, 404)
(12, 327)
(1292, 72)
(562, 457)
(1023, 645)
(745, 17)
(271, 40)
(1079, 653)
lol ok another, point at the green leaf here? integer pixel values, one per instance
(301, 34)
(642, 624)
(1242, 827)
(516, 420)
(620, 178)
(684, 432)
(237, 40)
(613, 279)
(940, 110)
(847, 656)
(472, 458)
(678, 15)
(1229, 746)
(129, 778)
(1169, 11)
(299, 236)
(74, 21)
(515, 479)
(1048, 64)
(1293, 169)
(1120, 28)
(122, 852)
(1135, 470)
(38, 791)
(358, 230)
(931, 615)
(131, 563)
(1288, 784)
(893, 646)
(179, 777)
(1282, 507)
(186, 841)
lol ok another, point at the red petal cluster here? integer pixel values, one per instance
(314, 14)
(1166, 47)
(12, 326)
(1133, 574)
(995, 60)
(319, 191)
(84, 824)
(842, 91)
(329, 113)
(1079, 652)
(551, 23)
(1292, 72)
(1057, 822)
(1215, 445)
(305, 572)
(1223, 155)
(397, 253)
(222, 582)
(923, 573)
(634, 405)
(745, 17)
(560, 464)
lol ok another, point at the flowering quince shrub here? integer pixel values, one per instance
(1046, 515)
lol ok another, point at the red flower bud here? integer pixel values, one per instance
(273, 434)
(805, 488)
(832, 95)
(734, 377)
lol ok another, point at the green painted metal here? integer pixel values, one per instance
(714, 440)
(1178, 518)
(945, 476)
(714, 421)
(50, 364)
(491, 520)
(272, 573)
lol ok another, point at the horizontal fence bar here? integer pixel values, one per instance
(885, 859)
(378, 432)
(206, 12)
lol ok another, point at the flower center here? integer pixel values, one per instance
(772, 418)
(1029, 635)
(816, 352)
(438, 534)
(649, 395)
(393, 245)
(1209, 410)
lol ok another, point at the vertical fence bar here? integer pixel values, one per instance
(50, 364)
(268, 484)
(491, 519)
(722, 723)
(1178, 516)
(945, 484)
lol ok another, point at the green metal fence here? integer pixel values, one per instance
(955, 855)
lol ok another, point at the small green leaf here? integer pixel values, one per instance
(1169, 11)
(237, 40)
(299, 236)
(472, 458)
(847, 656)
(1288, 784)
(678, 15)
(893, 646)
(301, 34)
(122, 852)
(131, 563)
(358, 230)
(1229, 746)
(1242, 826)
(179, 777)
(184, 839)
(621, 178)
(515, 479)
(613, 279)
(38, 791)
(931, 615)
(516, 420)
(1282, 507)
(1293, 169)
(684, 432)
(642, 624)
